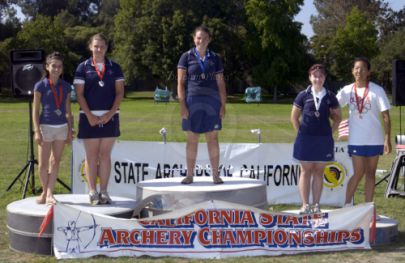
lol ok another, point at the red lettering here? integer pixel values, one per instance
(106, 237)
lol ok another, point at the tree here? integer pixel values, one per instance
(275, 44)
(357, 37)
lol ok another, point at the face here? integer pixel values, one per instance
(360, 71)
(98, 47)
(54, 67)
(317, 78)
(201, 40)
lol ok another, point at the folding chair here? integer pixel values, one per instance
(253, 94)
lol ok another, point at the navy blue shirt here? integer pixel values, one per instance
(194, 83)
(311, 124)
(97, 97)
(48, 115)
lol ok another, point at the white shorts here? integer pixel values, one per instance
(53, 133)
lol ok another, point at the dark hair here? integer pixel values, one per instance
(315, 67)
(364, 60)
(98, 36)
(202, 28)
(52, 56)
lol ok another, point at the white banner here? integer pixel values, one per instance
(212, 229)
(272, 163)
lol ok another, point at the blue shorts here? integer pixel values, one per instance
(203, 114)
(366, 150)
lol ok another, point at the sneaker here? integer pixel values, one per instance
(105, 198)
(94, 198)
(348, 205)
(316, 209)
(305, 209)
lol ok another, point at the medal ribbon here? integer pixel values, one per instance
(100, 74)
(316, 102)
(58, 102)
(200, 61)
(360, 101)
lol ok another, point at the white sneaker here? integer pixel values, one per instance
(316, 209)
(348, 205)
(305, 209)
(105, 198)
(94, 198)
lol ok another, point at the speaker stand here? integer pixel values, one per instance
(29, 167)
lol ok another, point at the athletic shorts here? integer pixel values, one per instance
(52, 133)
(309, 148)
(110, 129)
(366, 150)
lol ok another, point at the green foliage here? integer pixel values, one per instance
(356, 38)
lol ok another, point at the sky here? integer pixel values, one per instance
(309, 9)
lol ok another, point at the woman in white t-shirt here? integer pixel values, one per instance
(367, 141)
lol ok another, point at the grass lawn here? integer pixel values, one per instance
(141, 120)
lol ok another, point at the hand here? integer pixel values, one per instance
(38, 138)
(222, 112)
(106, 117)
(70, 136)
(184, 112)
(387, 147)
(93, 120)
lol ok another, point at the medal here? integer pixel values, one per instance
(201, 62)
(58, 101)
(360, 101)
(100, 74)
(317, 101)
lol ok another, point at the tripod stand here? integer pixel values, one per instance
(29, 167)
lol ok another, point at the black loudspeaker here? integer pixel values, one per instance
(27, 69)
(398, 82)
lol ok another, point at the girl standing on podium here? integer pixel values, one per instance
(53, 127)
(202, 97)
(99, 84)
(367, 102)
(314, 145)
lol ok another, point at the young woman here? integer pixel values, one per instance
(367, 102)
(202, 96)
(53, 127)
(314, 145)
(99, 86)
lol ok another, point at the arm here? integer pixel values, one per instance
(181, 92)
(222, 93)
(119, 96)
(336, 116)
(69, 118)
(387, 131)
(295, 116)
(35, 117)
(93, 120)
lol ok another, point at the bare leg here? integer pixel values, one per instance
(92, 147)
(359, 169)
(106, 146)
(44, 152)
(213, 151)
(191, 151)
(57, 150)
(317, 181)
(304, 182)
(370, 169)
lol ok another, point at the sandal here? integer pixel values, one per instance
(50, 201)
(40, 200)
(217, 180)
(187, 180)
